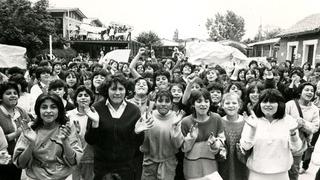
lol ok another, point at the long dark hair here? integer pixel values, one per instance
(274, 96)
(195, 95)
(61, 119)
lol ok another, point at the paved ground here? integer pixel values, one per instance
(310, 174)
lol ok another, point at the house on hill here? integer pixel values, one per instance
(300, 43)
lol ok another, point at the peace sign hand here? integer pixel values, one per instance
(212, 140)
(250, 120)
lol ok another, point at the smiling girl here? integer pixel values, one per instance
(232, 168)
(10, 115)
(161, 141)
(203, 138)
(49, 149)
(272, 136)
(308, 123)
(83, 100)
(140, 98)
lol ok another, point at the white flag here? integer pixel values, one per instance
(11, 56)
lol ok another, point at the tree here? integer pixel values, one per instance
(267, 32)
(229, 26)
(272, 33)
(27, 25)
(149, 39)
(176, 35)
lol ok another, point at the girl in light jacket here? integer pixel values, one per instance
(272, 136)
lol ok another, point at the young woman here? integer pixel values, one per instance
(25, 100)
(11, 115)
(186, 70)
(60, 88)
(252, 96)
(161, 82)
(308, 121)
(162, 140)
(272, 136)
(238, 88)
(140, 98)
(232, 168)
(43, 77)
(72, 79)
(211, 75)
(177, 91)
(49, 149)
(97, 78)
(86, 79)
(83, 99)
(203, 138)
(216, 91)
(118, 151)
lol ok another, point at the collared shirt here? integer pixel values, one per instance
(116, 113)
(13, 117)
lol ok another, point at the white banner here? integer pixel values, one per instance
(119, 55)
(214, 53)
(11, 56)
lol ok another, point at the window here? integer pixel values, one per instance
(292, 50)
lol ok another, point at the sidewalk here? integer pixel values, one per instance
(310, 173)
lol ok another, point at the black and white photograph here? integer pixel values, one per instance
(159, 90)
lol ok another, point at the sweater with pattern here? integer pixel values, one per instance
(232, 168)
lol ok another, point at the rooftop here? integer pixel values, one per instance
(268, 41)
(309, 24)
(66, 9)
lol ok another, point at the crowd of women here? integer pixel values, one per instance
(159, 119)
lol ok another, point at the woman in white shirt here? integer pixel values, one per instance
(272, 136)
(308, 121)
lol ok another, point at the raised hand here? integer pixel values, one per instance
(27, 131)
(250, 120)
(92, 114)
(65, 131)
(141, 51)
(191, 78)
(194, 130)
(143, 124)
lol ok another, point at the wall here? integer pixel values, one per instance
(282, 53)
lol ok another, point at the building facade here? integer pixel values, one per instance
(300, 43)
(69, 20)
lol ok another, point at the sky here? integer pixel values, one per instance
(189, 16)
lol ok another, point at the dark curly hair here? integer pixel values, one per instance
(8, 85)
(61, 119)
(114, 79)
